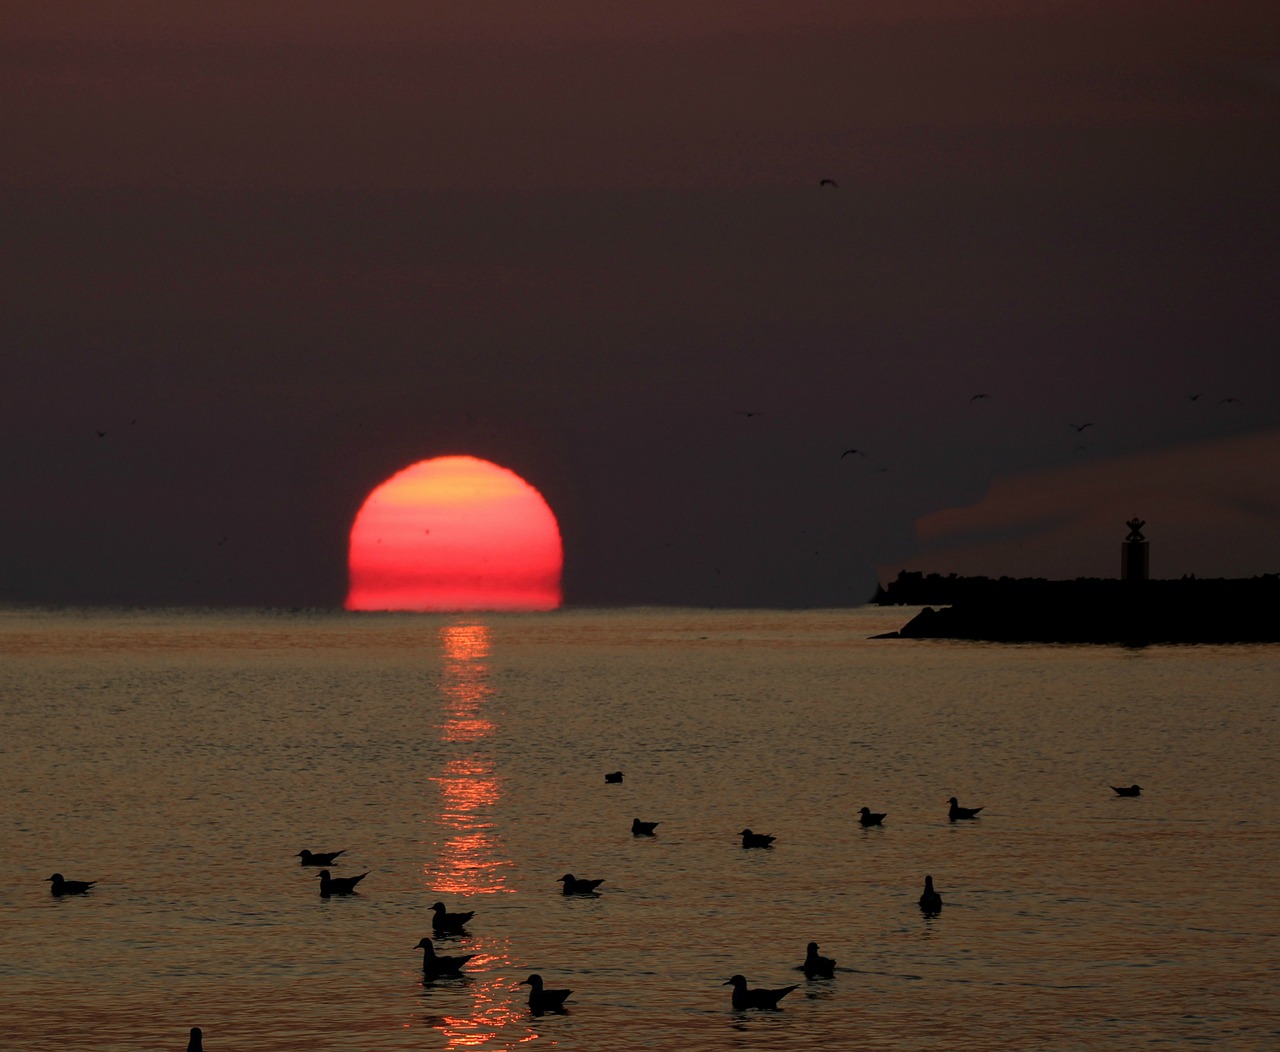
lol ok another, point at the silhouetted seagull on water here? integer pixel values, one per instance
(196, 1042)
(870, 818)
(60, 886)
(750, 839)
(338, 885)
(541, 999)
(448, 922)
(434, 964)
(930, 900)
(764, 999)
(1131, 790)
(961, 812)
(574, 886)
(816, 966)
(318, 858)
(639, 828)
(613, 778)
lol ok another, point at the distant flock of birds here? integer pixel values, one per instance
(542, 999)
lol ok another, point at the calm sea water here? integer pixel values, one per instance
(182, 760)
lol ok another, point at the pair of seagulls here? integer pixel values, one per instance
(329, 884)
(815, 966)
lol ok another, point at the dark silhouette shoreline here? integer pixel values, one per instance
(1087, 610)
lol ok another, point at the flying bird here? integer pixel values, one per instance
(317, 858)
(957, 811)
(639, 828)
(1080, 427)
(1127, 790)
(58, 885)
(1193, 398)
(750, 839)
(434, 964)
(848, 451)
(448, 922)
(930, 900)
(748, 412)
(816, 966)
(827, 182)
(870, 818)
(541, 999)
(744, 998)
(979, 395)
(338, 885)
(574, 886)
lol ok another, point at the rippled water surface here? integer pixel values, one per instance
(182, 760)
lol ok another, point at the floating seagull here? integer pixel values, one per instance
(1080, 427)
(338, 885)
(763, 999)
(574, 886)
(1131, 790)
(639, 828)
(448, 922)
(961, 812)
(848, 451)
(434, 964)
(816, 966)
(541, 999)
(318, 858)
(827, 182)
(60, 886)
(196, 1042)
(930, 900)
(750, 839)
(613, 778)
(870, 818)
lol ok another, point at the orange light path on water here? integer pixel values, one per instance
(455, 533)
(466, 852)
(468, 859)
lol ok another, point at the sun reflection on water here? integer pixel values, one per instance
(463, 844)
(496, 1016)
(465, 854)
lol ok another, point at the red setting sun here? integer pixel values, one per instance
(455, 533)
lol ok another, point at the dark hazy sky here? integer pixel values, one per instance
(278, 251)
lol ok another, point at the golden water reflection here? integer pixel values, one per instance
(497, 1018)
(464, 851)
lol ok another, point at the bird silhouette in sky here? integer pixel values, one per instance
(1193, 398)
(828, 182)
(848, 451)
(1080, 427)
(980, 395)
(1229, 398)
(748, 412)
